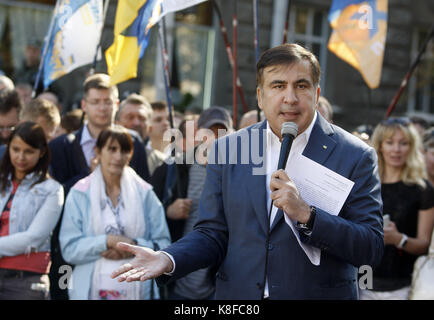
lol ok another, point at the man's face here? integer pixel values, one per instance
(49, 129)
(33, 55)
(287, 93)
(25, 94)
(324, 111)
(429, 160)
(100, 106)
(159, 123)
(7, 122)
(134, 116)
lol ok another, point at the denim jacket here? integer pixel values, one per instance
(33, 215)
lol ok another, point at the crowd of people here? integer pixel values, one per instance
(91, 188)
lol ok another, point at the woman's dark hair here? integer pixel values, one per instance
(118, 133)
(32, 134)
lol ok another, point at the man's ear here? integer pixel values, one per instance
(318, 93)
(259, 97)
(83, 105)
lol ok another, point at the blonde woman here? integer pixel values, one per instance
(408, 202)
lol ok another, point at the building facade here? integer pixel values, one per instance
(201, 75)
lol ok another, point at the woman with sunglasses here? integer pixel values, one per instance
(408, 207)
(31, 203)
(111, 205)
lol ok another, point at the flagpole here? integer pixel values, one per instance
(166, 76)
(224, 33)
(409, 73)
(44, 51)
(285, 30)
(234, 71)
(92, 69)
(165, 60)
(255, 28)
(256, 44)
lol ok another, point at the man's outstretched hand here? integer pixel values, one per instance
(147, 264)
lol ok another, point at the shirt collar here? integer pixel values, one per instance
(86, 136)
(271, 137)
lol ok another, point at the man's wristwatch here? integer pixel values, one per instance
(308, 226)
(403, 241)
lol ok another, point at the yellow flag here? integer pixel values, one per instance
(131, 36)
(359, 35)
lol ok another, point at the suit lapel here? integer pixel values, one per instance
(321, 143)
(78, 151)
(258, 197)
(318, 149)
(256, 183)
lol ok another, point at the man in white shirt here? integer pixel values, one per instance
(257, 256)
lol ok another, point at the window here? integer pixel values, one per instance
(21, 23)
(309, 28)
(421, 85)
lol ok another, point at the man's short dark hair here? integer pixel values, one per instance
(72, 120)
(420, 121)
(100, 81)
(287, 54)
(159, 105)
(9, 99)
(136, 99)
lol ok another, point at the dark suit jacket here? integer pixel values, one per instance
(165, 181)
(231, 231)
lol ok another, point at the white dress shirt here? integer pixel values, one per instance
(273, 149)
(87, 144)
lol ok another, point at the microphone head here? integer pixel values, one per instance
(290, 128)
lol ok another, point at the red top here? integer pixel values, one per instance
(36, 261)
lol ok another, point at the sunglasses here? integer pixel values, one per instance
(403, 121)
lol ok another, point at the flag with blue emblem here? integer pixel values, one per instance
(133, 22)
(359, 35)
(73, 37)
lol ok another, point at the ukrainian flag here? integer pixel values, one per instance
(359, 35)
(131, 37)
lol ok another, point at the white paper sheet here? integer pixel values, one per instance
(319, 187)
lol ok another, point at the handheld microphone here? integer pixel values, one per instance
(289, 132)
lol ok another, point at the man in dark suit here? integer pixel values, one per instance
(73, 158)
(258, 256)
